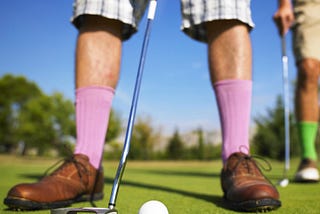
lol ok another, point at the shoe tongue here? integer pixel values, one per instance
(70, 166)
(237, 157)
(241, 163)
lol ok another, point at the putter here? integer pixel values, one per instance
(285, 181)
(115, 188)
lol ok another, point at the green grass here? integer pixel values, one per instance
(185, 187)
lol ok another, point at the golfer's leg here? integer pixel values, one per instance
(243, 184)
(98, 55)
(77, 179)
(229, 51)
(307, 109)
(98, 52)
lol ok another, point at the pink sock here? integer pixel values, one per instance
(234, 103)
(93, 105)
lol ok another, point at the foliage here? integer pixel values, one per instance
(175, 147)
(114, 127)
(269, 139)
(16, 92)
(46, 121)
(203, 150)
(30, 119)
(144, 138)
(200, 148)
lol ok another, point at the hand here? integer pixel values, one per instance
(284, 17)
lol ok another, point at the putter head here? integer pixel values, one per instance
(84, 210)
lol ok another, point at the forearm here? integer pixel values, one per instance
(284, 16)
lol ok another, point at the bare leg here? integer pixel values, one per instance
(307, 90)
(244, 187)
(229, 48)
(98, 56)
(98, 52)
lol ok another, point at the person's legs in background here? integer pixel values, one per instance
(307, 113)
(306, 47)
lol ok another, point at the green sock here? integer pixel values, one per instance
(307, 136)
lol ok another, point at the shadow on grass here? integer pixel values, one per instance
(178, 173)
(33, 176)
(215, 199)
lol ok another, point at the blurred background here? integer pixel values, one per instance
(177, 116)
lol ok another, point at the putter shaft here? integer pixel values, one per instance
(123, 160)
(286, 101)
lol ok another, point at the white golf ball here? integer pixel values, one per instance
(284, 182)
(153, 207)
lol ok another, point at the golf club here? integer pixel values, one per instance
(115, 188)
(285, 181)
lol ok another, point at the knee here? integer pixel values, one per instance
(308, 73)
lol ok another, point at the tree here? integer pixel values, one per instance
(269, 138)
(144, 137)
(31, 118)
(16, 91)
(35, 124)
(63, 116)
(114, 126)
(200, 148)
(175, 146)
(46, 122)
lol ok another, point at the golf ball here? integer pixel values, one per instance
(153, 207)
(284, 182)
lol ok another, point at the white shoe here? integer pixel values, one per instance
(307, 171)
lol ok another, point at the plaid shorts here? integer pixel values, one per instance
(194, 13)
(306, 31)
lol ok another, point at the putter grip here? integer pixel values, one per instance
(152, 9)
(283, 46)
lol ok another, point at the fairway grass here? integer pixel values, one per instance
(183, 186)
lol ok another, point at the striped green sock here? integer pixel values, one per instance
(307, 136)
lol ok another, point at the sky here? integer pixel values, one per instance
(38, 41)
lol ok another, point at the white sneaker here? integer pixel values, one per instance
(307, 171)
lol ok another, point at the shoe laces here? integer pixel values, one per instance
(251, 163)
(71, 159)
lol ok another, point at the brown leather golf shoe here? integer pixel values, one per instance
(76, 180)
(245, 187)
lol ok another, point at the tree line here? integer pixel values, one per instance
(31, 120)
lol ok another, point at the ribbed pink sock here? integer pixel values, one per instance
(93, 105)
(234, 103)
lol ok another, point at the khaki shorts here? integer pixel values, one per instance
(194, 13)
(306, 30)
